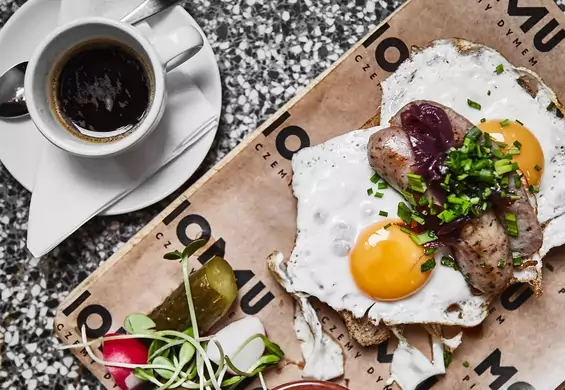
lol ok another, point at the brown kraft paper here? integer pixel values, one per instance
(245, 209)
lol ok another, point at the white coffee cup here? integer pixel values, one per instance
(163, 43)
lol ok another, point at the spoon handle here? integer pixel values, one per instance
(147, 9)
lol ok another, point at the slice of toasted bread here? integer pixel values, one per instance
(363, 330)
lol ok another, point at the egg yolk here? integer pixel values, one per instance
(530, 160)
(386, 263)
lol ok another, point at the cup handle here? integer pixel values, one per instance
(174, 44)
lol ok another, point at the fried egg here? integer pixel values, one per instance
(351, 253)
(480, 84)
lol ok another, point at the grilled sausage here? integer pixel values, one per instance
(530, 235)
(483, 242)
(483, 254)
(391, 156)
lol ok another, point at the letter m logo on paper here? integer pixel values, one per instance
(493, 362)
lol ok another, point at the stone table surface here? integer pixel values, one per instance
(267, 51)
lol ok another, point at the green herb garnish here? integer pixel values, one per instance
(517, 261)
(505, 123)
(537, 167)
(179, 359)
(375, 178)
(430, 251)
(404, 213)
(499, 69)
(379, 194)
(501, 263)
(383, 213)
(428, 265)
(449, 262)
(369, 191)
(424, 238)
(466, 364)
(416, 183)
(382, 185)
(473, 104)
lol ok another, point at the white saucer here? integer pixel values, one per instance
(21, 143)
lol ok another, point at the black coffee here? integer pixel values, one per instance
(102, 87)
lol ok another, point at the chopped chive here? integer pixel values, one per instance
(369, 191)
(517, 181)
(474, 133)
(385, 227)
(501, 163)
(447, 216)
(405, 230)
(473, 104)
(497, 153)
(551, 106)
(513, 151)
(517, 144)
(409, 197)
(488, 141)
(501, 145)
(375, 178)
(428, 265)
(430, 251)
(504, 182)
(424, 238)
(514, 197)
(505, 123)
(404, 213)
(533, 189)
(449, 262)
(379, 194)
(501, 263)
(466, 364)
(503, 169)
(483, 120)
(537, 167)
(416, 182)
(383, 213)
(447, 357)
(447, 178)
(382, 185)
(516, 261)
(423, 201)
(418, 219)
(499, 69)
(512, 225)
(520, 123)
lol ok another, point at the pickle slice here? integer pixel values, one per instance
(213, 291)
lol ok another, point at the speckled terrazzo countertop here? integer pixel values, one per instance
(267, 51)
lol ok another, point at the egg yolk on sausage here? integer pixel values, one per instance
(530, 160)
(386, 263)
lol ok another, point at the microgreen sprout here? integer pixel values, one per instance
(179, 359)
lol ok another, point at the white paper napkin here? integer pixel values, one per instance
(70, 190)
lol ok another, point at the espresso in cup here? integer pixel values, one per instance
(101, 90)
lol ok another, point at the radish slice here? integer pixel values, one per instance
(232, 337)
(130, 351)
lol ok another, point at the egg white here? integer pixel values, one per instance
(330, 183)
(452, 71)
